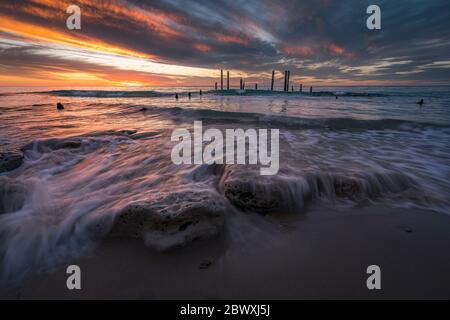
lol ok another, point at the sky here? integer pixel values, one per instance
(186, 43)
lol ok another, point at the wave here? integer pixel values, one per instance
(232, 92)
(296, 93)
(106, 94)
(293, 193)
(290, 122)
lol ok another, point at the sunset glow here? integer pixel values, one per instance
(174, 43)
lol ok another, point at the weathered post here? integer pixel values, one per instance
(256, 86)
(221, 80)
(241, 86)
(310, 90)
(228, 80)
(201, 92)
(285, 80)
(215, 86)
(288, 80)
(176, 96)
(301, 88)
(273, 80)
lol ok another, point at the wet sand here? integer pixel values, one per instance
(321, 255)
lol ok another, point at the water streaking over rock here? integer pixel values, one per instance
(101, 167)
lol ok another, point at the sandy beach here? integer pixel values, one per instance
(323, 254)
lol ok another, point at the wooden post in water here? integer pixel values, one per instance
(288, 80)
(301, 88)
(310, 90)
(292, 89)
(215, 86)
(243, 85)
(273, 80)
(256, 86)
(221, 79)
(228, 80)
(285, 80)
(240, 87)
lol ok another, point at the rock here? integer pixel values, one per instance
(143, 109)
(59, 106)
(12, 195)
(256, 195)
(205, 264)
(173, 220)
(10, 160)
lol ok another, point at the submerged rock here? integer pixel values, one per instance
(12, 195)
(10, 160)
(59, 106)
(172, 221)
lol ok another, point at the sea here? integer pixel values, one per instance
(340, 147)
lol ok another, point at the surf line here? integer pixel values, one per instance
(237, 150)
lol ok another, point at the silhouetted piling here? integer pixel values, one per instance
(176, 96)
(241, 86)
(201, 92)
(189, 95)
(256, 86)
(273, 80)
(301, 88)
(216, 86)
(310, 90)
(228, 80)
(221, 80)
(285, 81)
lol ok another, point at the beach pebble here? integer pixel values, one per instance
(173, 220)
(10, 160)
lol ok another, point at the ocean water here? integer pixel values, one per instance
(88, 162)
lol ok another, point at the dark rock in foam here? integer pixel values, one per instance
(10, 160)
(12, 195)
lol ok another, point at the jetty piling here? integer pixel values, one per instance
(273, 80)
(221, 79)
(228, 80)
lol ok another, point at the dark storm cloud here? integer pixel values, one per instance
(322, 39)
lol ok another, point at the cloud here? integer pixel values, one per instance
(318, 40)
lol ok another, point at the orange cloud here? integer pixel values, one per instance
(335, 49)
(304, 51)
(39, 33)
(202, 47)
(231, 39)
